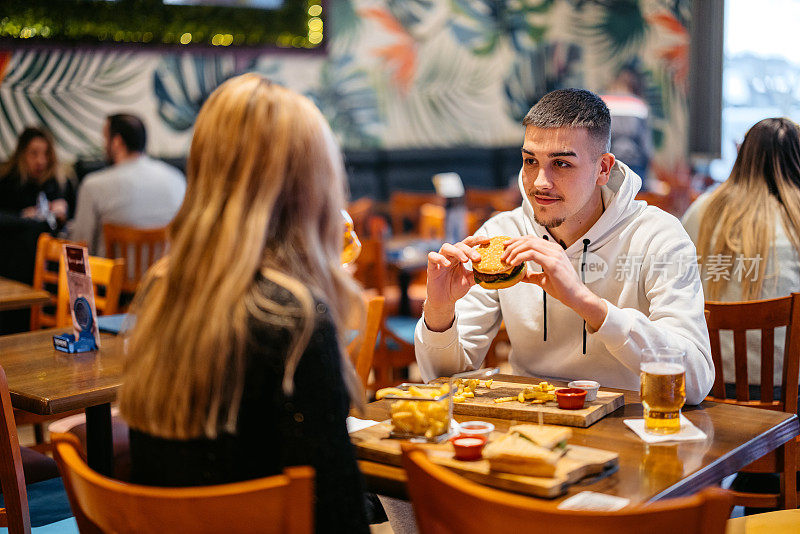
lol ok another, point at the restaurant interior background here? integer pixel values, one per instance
(413, 88)
(407, 85)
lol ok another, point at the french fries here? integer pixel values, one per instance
(419, 417)
(538, 394)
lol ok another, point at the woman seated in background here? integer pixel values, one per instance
(747, 233)
(31, 171)
(234, 367)
(749, 230)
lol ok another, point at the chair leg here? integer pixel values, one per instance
(38, 433)
(789, 476)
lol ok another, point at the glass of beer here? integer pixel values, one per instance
(352, 246)
(663, 373)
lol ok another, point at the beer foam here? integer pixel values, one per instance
(662, 368)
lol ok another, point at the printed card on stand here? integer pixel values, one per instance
(81, 292)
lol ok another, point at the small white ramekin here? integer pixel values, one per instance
(590, 386)
(475, 428)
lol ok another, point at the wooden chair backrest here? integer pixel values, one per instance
(490, 200)
(277, 504)
(404, 209)
(763, 315)
(107, 274)
(370, 266)
(432, 221)
(45, 277)
(663, 202)
(446, 503)
(15, 515)
(139, 247)
(360, 211)
(362, 348)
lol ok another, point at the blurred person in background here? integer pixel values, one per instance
(31, 182)
(246, 313)
(747, 233)
(631, 139)
(134, 191)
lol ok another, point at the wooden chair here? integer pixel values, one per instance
(107, 274)
(362, 348)
(663, 202)
(445, 502)
(277, 504)
(763, 315)
(360, 211)
(18, 465)
(404, 210)
(488, 201)
(146, 245)
(45, 277)
(432, 222)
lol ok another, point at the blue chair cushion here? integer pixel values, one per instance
(403, 327)
(113, 324)
(47, 503)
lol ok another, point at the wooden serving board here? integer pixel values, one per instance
(483, 405)
(373, 443)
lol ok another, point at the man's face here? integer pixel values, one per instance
(561, 169)
(35, 158)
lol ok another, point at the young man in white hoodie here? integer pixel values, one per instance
(607, 275)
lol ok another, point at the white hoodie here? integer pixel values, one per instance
(652, 289)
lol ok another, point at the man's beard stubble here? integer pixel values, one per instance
(552, 223)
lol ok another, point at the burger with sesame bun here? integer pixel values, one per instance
(491, 272)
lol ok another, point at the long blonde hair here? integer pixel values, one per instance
(265, 185)
(740, 218)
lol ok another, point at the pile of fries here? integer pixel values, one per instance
(426, 418)
(538, 394)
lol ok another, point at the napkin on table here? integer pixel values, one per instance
(354, 424)
(688, 432)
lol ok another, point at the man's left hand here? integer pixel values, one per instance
(558, 277)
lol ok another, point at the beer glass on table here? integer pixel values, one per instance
(663, 374)
(352, 246)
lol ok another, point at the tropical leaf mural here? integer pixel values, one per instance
(614, 29)
(64, 91)
(183, 82)
(395, 74)
(347, 99)
(484, 24)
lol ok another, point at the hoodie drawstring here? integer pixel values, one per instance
(583, 279)
(544, 299)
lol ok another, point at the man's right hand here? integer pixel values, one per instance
(449, 280)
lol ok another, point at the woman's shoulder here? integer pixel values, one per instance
(285, 296)
(694, 214)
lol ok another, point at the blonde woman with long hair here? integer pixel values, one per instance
(747, 231)
(235, 368)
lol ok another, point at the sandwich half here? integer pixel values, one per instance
(528, 450)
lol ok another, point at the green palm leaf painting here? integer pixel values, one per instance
(63, 91)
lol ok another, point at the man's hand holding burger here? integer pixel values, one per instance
(558, 277)
(449, 280)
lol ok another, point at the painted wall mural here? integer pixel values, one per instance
(397, 74)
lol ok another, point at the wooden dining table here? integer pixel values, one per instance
(16, 295)
(45, 381)
(737, 435)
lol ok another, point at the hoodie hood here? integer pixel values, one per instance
(619, 195)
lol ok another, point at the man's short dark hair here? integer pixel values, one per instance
(130, 128)
(573, 108)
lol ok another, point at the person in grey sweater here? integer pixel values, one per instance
(134, 191)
